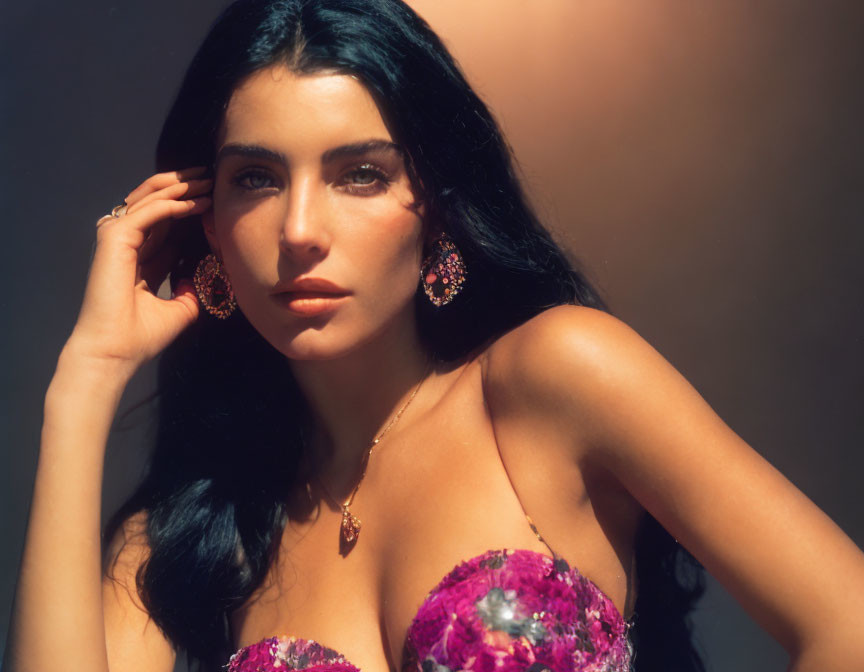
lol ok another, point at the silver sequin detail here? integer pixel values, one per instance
(498, 609)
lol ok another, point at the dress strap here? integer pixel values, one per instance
(535, 530)
(531, 523)
(561, 563)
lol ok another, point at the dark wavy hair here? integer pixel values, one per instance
(229, 458)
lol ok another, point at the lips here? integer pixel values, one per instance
(306, 304)
(311, 286)
(310, 296)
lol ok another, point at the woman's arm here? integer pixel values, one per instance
(63, 615)
(65, 612)
(783, 559)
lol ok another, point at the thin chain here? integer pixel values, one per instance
(375, 442)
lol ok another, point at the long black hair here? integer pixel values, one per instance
(229, 457)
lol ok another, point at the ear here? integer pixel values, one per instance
(432, 231)
(209, 227)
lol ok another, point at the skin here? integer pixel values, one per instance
(571, 416)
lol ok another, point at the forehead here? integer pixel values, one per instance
(278, 105)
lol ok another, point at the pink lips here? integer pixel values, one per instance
(310, 296)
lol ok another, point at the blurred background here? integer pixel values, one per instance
(703, 160)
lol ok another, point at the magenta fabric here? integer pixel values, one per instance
(509, 610)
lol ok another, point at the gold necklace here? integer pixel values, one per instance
(350, 527)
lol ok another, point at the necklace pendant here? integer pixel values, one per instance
(350, 526)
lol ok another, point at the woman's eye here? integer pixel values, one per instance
(253, 180)
(366, 179)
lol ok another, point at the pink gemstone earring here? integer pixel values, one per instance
(443, 272)
(213, 287)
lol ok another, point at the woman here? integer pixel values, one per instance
(333, 446)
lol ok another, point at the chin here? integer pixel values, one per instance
(334, 335)
(318, 341)
(312, 353)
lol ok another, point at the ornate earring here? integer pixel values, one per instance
(443, 272)
(213, 288)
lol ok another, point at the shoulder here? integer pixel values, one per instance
(126, 551)
(565, 330)
(133, 640)
(131, 532)
(564, 345)
(572, 366)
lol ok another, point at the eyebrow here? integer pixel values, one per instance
(353, 149)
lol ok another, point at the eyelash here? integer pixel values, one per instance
(383, 179)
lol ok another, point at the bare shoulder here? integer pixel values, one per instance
(125, 553)
(564, 363)
(134, 642)
(129, 539)
(567, 334)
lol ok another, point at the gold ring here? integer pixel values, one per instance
(119, 210)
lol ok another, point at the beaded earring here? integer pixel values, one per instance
(443, 272)
(213, 287)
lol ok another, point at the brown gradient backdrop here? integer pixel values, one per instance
(703, 160)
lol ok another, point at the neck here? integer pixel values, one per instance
(354, 397)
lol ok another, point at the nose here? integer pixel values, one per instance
(304, 236)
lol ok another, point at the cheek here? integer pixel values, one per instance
(395, 247)
(386, 228)
(247, 241)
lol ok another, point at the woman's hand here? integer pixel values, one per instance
(122, 322)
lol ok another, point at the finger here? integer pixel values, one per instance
(157, 234)
(184, 305)
(119, 242)
(153, 240)
(117, 256)
(156, 268)
(133, 228)
(162, 180)
(176, 313)
(162, 231)
(175, 191)
(153, 186)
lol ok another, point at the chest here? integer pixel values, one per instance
(448, 491)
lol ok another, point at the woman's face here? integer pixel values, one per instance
(310, 189)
